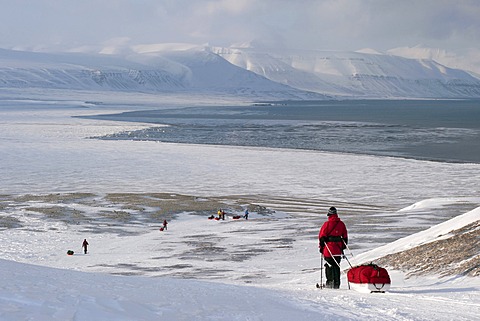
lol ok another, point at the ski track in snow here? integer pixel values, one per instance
(44, 151)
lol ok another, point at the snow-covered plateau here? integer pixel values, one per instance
(59, 188)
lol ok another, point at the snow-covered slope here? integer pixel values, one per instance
(356, 74)
(39, 292)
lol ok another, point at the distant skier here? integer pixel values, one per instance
(165, 224)
(84, 246)
(332, 239)
(246, 214)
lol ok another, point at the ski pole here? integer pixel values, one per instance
(320, 286)
(331, 254)
(346, 258)
(346, 245)
(339, 264)
(321, 270)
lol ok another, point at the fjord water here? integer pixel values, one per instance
(439, 130)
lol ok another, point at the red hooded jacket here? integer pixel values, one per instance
(332, 236)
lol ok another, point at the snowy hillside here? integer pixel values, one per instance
(205, 270)
(356, 74)
(244, 72)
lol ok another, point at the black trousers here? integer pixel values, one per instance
(332, 271)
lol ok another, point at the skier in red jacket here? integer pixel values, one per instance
(332, 240)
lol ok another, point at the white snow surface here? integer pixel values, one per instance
(44, 150)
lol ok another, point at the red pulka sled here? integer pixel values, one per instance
(369, 278)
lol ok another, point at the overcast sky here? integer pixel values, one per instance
(306, 24)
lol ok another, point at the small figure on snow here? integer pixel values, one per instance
(333, 239)
(165, 224)
(84, 246)
(246, 214)
(221, 214)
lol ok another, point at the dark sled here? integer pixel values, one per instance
(369, 278)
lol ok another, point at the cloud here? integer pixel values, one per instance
(309, 24)
(228, 6)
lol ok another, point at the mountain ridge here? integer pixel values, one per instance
(357, 74)
(240, 71)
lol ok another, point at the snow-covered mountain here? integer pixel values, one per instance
(246, 72)
(356, 74)
(171, 71)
